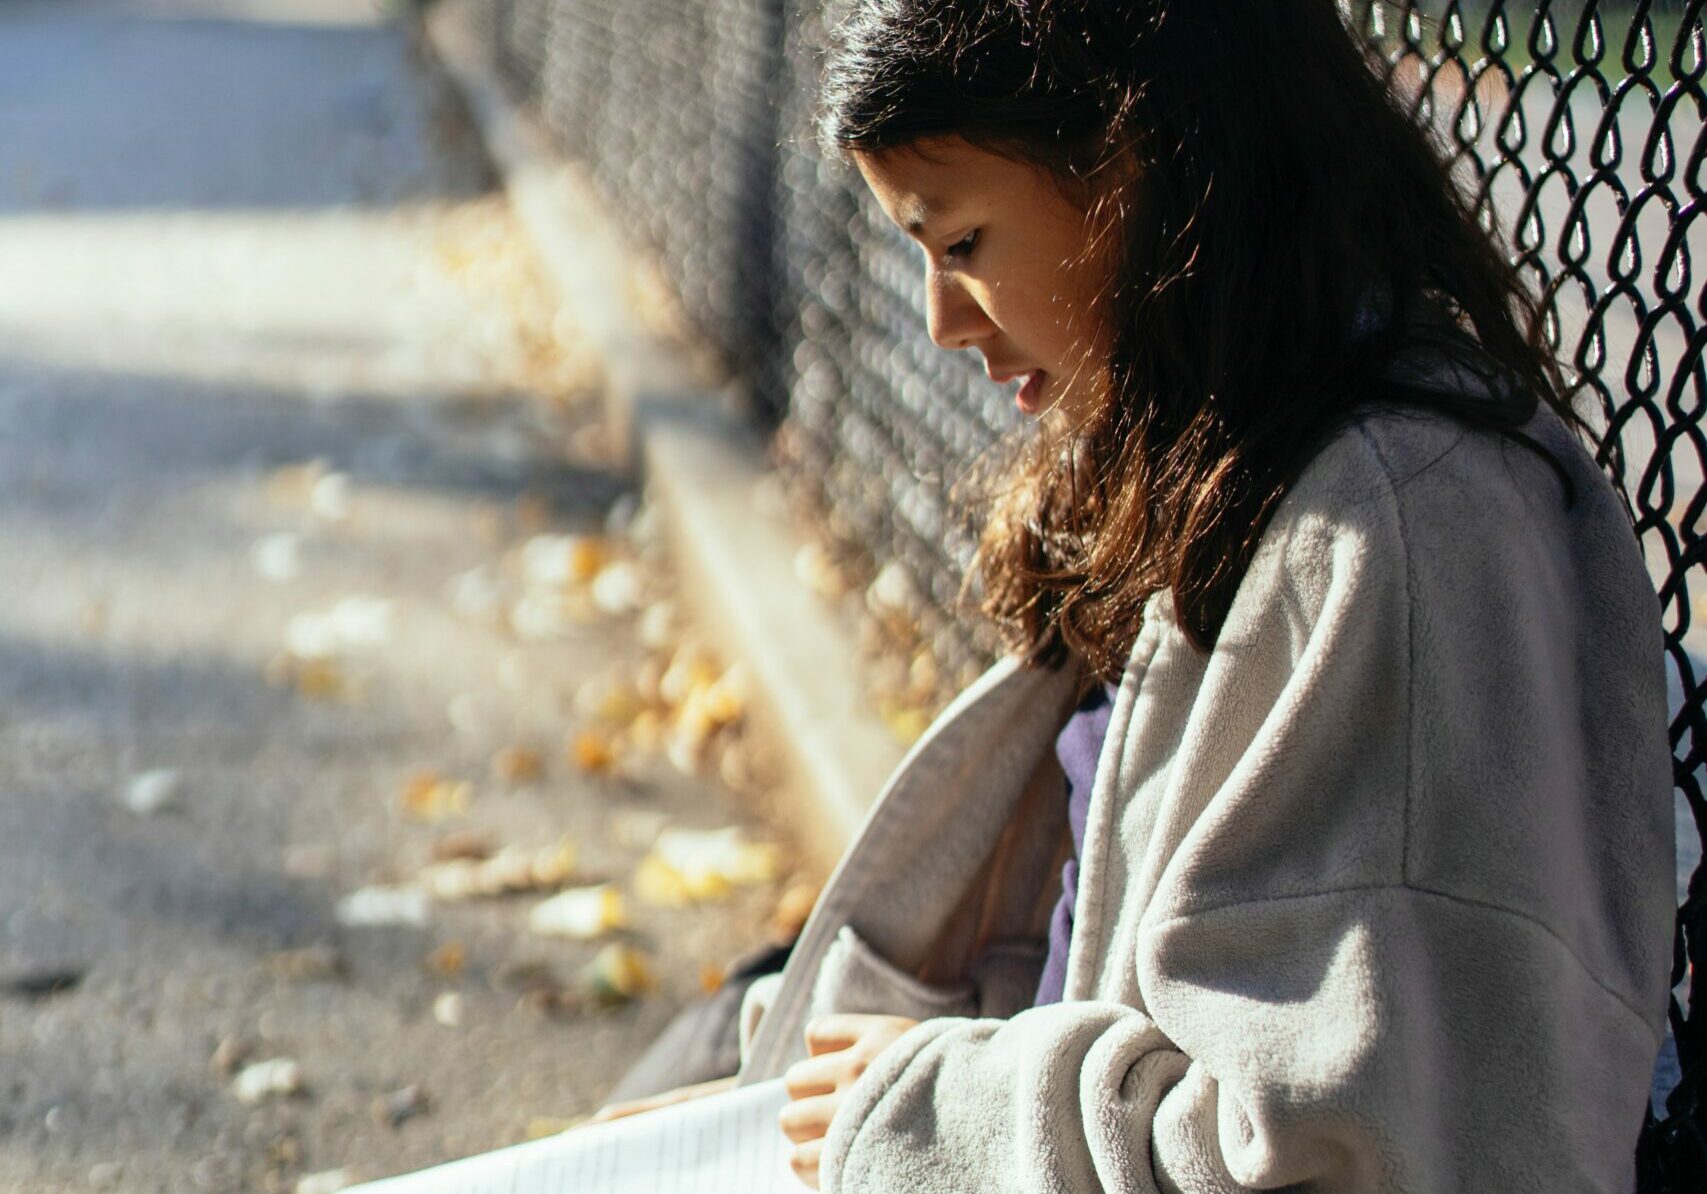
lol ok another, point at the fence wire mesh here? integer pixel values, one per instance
(1579, 128)
(1577, 124)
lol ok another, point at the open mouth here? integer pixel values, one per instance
(1030, 396)
(1031, 382)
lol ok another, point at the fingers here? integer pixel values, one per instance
(830, 1034)
(804, 1161)
(807, 1119)
(814, 1076)
(652, 1102)
(840, 1047)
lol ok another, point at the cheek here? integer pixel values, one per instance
(1055, 322)
(1085, 307)
(1031, 303)
(1042, 301)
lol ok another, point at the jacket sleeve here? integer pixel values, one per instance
(1332, 1049)
(1359, 971)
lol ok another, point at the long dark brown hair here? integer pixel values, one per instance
(1282, 228)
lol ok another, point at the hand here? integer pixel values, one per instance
(679, 1095)
(841, 1048)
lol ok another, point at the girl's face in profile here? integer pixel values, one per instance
(1006, 265)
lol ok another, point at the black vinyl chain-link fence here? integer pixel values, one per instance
(1577, 123)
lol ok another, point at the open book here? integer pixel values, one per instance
(726, 1143)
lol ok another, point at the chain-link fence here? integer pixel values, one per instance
(1577, 123)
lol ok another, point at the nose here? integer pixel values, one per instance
(953, 314)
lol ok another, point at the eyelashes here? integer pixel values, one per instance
(961, 249)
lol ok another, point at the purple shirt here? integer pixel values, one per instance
(1077, 746)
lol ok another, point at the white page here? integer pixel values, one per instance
(727, 1143)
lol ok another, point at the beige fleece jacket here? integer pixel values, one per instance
(1376, 895)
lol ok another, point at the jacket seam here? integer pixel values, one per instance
(1450, 897)
(1410, 652)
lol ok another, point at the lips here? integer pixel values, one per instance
(1029, 397)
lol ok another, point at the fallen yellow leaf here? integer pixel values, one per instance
(647, 731)
(517, 765)
(429, 797)
(618, 974)
(725, 698)
(582, 913)
(319, 679)
(724, 853)
(509, 870)
(587, 556)
(694, 723)
(555, 865)
(658, 883)
(792, 911)
(592, 751)
(448, 959)
(609, 699)
(541, 1126)
(907, 724)
(470, 844)
(688, 670)
(922, 674)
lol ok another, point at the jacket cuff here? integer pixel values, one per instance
(862, 1098)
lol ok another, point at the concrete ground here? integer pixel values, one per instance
(269, 342)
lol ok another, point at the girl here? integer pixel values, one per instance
(1315, 831)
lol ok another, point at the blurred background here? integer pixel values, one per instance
(331, 649)
(367, 795)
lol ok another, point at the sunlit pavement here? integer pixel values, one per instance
(267, 344)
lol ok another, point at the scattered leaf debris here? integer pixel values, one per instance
(278, 557)
(510, 870)
(263, 1080)
(393, 1109)
(448, 1009)
(427, 796)
(228, 1055)
(516, 765)
(329, 497)
(593, 751)
(153, 791)
(581, 913)
(466, 844)
(36, 985)
(792, 911)
(618, 974)
(694, 866)
(312, 963)
(356, 623)
(380, 906)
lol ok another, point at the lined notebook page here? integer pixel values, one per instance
(727, 1143)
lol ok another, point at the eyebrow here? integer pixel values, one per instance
(915, 212)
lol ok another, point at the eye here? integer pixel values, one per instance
(962, 248)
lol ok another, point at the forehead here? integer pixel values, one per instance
(936, 179)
